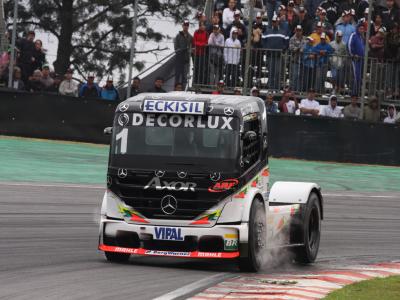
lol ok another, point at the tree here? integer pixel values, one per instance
(94, 35)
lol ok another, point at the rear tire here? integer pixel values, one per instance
(311, 232)
(257, 238)
(117, 257)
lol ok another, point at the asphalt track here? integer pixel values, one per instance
(48, 245)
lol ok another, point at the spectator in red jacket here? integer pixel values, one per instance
(378, 72)
(200, 40)
(377, 44)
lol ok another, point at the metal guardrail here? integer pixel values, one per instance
(275, 69)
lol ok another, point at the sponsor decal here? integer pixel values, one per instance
(186, 121)
(241, 194)
(294, 209)
(123, 119)
(215, 176)
(282, 222)
(174, 107)
(255, 182)
(167, 253)
(230, 245)
(231, 236)
(194, 254)
(223, 186)
(209, 254)
(168, 234)
(170, 186)
(205, 219)
(131, 214)
(265, 172)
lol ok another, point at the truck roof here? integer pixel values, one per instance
(242, 105)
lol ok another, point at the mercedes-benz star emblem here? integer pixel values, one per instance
(123, 107)
(159, 173)
(123, 119)
(169, 205)
(229, 111)
(122, 173)
(215, 176)
(109, 181)
(181, 174)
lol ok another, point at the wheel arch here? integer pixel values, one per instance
(320, 200)
(253, 194)
(294, 193)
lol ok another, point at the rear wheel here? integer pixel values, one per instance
(311, 232)
(117, 257)
(257, 238)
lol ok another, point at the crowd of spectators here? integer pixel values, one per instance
(309, 106)
(319, 36)
(32, 73)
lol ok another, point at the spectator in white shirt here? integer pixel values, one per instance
(232, 59)
(68, 86)
(309, 106)
(216, 43)
(228, 15)
(391, 118)
(332, 110)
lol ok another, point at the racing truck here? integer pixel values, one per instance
(188, 177)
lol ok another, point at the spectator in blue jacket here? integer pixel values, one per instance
(311, 6)
(356, 49)
(308, 65)
(109, 92)
(346, 27)
(323, 50)
(90, 89)
(270, 105)
(272, 8)
(276, 40)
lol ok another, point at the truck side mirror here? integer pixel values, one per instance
(108, 130)
(249, 136)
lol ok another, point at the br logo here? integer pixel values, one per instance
(223, 186)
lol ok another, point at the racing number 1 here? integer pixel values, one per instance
(123, 136)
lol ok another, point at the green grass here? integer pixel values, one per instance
(375, 289)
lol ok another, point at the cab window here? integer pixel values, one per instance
(251, 146)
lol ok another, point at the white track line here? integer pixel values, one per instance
(358, 195)
(62, 185)
(194, 287)
(95, 187)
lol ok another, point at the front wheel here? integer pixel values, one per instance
(257, 239)
(311, 232)
(117, 257)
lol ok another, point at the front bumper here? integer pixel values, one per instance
(219, 241)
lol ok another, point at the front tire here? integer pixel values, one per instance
(311, 232)
(117, 257)
(257, 238)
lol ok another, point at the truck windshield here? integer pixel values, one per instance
(175, 144)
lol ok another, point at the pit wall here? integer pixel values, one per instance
(311, 138)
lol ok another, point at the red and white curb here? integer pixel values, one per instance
(294, 286)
